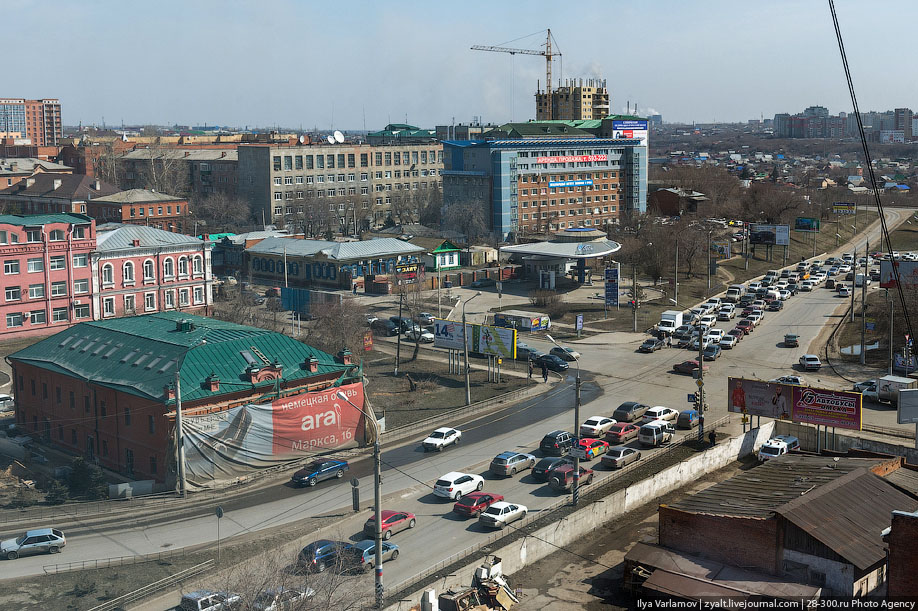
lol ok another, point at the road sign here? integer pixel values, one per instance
(218, 511)
(691, 397)
(699, 382)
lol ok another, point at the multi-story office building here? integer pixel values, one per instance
(337, 185)
(903, 121)
(38, 120)
(534, 178)
(577, 99)
(187, 172)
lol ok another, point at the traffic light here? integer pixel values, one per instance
(633, 303)
(697, 401)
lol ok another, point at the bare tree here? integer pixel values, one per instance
(469, 218)
(431, 207)
(336, 326)
(222, 211)
(165, 171)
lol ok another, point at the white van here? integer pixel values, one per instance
(656, 433)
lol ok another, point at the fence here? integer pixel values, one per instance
(138, 594)
(104, 563)
(885, 430)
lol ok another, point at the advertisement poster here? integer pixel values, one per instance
(228, 444)
(806, 224)
(448, 334)
(630, 129)
(841, 208)
(840, 409)
(612, 286)
(908, 274)
(757, 398)
(720, 250)
(572, 158)
(483, 339)
(772, 235)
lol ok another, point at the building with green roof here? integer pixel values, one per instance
(106, 389)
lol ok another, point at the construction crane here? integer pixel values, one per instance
(548, 54)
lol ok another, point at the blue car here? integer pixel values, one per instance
(323, 554)
(319, 470)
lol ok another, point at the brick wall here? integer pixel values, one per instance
(903, 562)
(742, 542)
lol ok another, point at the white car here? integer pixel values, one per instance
(756, 318)
(417, 334)
(844, 269)
(795, 380)
(502, 513)
(659, 413)
(727, 341)
(844, 290)
(810, 362)
(455, 485)
(807, 285)
(707, 320)
(726, 313)
(40, 541)
(596, 426)
(784, 295)
(276, 599)
(754, 286)
(715, 335)
(442, 437)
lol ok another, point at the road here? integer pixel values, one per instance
(614, 372)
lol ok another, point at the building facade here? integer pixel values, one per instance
(577, 99)
(54, 193)
(15, 170)
(143, 207)
(37, 120)
(46, 272)
(194, 172)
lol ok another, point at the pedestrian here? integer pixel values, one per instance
(544, 372)
(712, 438)
(530, 369)
(355, 289)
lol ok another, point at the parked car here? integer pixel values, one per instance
(651, 344)
(318, 471)
(755, 318)
(384, 327)
(746, 326)
(777, 446)
(622, 432)
(588, 449)
(715, 335)
(7, 402)
(556, 443)
(562, 478)
(708, 320)
(565, 353)
(363, 554)
(425, 318)
(543, 468)
(553, 362)
(791, 340)
(727, 342)
(776, 306)
(688, 367)
(472, 504)
(862, 386)
(525, 352)
(656, 433)
(208, 600)
(321, 554)
(420, 335)
(688, 419)
(454, 485)
(280, 598)
(810, 362)
(726, 313)
(629, 411)
(660, 413)
(683, 331)
(441, 438)
(509, 463)
(596, 426)
(482, 282)
(795, 380)
(502, 513)
(711, 352)
(620, 456)
(391, 522)
(737, 334)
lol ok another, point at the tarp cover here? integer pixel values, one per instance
(229, 444)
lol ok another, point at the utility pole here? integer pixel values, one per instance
(179, 437)
(634, 297)
(398, 340)
(854, 275)
(709, 260)
(676, 276)
(864, 307)
(746, 243)
(837, 235)
(891, 333)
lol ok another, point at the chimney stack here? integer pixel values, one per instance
(57, 183)
(29, 182)
(97, 185)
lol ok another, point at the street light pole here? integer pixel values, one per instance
(465, 348)
(179, 437)
(575, 485)
(709, 260)
(377, 503)
(676, 276)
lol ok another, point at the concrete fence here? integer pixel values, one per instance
(844, 441)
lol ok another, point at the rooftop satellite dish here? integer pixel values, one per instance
(339, 137)
(302, 139)
(331, 139)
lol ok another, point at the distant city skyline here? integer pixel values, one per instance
(356, 65)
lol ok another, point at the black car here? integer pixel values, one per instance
(746, 299)
(556, 443)
(404, 323)
(793, 288)
(776, 305)
(651, 344)
(321, 555)
(553, 362)
(384, 327)
(629, 411)
(542, 470)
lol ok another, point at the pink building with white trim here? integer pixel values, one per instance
(46, 279)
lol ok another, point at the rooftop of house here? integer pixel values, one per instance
(34, 220)
(138, 196)
(120, 236)
(78, 187)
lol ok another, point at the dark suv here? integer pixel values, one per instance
(322, 554)
(557, 443)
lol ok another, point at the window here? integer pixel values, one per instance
(81, 311)
(14, 319)
(183, 297)
(80, 260)
(153, 464)
(108, 274)
(277, 181)
(57, 235)
(128, 304)
(288, 180)
(4, 236)
(299, 180)
(33, 235)
(149, 302)
(129, 460)
(197, 265)
(183, 266)
(198, 294)
(80, 286)
(288, 162)
(104, 448)
(36, 265)
(59, 289)
(13, 293)
(108, 306)
(341, 160)
(278, 195)
(141, 210)
(10, 267)
(168, 268)
(73, 437)
(57, 263)
(151, 424)
(298, 162)
(79, 232)
(127, 416)
(170, 299)
(128, 272)
(36, 291)
(277, 163)
(148, 270)
(59, 315)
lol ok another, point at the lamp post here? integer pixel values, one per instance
(465, 347)
(575, 486)
(709, 258)
(181, 484)
(377, 508)
(676, 275)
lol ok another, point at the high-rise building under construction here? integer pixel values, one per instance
(576, 99)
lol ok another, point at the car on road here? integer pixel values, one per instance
(208, 600)
(726, 313)
(543, 468)
(746, 300)
(363, 554)
(565, 353)
(371, 318)
(656, 433)
(425, 318)
(715, 335)
(622, 432)
(746, 326)
(795, 380)
(728, 341)
(507, 464)
(689, 367)
(322, 554)
(556, 443)
(420, 335)
(791, 340)
(384, 327)
(862, 386)
(810, 362)
(777, 446)
(651, 344)
(553, 363)
(776, 306)
(562, 478)
(588, 449)
(683, 332)
(711, 353)
(807, 285)
(844, 290)
(391, 522)
(629, 411)
(755, 318)
(38, 541)
(660, 412)
(280, 598)
(688, 419)
(501, 514)
(699, 343)
(708, 320)
(525, 352)
(620, 456)
(318, 471)
(472, 504)
(596, 426)
(784, 294)
(441, 438)
(454, 485)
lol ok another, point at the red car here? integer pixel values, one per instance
(588, 449)
(746, 326)
(473, 503)
(562, 478)
(622, 432)
(392, 522)
(687, 367)
(737, 333)
(747, 311)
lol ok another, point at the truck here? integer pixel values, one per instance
(522, 321)
(886, 389)
(735, 293)
(670, 320)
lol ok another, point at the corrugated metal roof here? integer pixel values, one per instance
(759, 492)
(118, 236)
(904, 479)
(186, 154)
(570, 250)
(277, 246)
(136, 196)
(33, 220)
(138, 354)
(849, 515)
(337, 251)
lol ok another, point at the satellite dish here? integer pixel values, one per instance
(339, 137)
(331, 139)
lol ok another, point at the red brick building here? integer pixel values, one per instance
(903, 562)
(15, 170)
(143, 207)
(50, 193)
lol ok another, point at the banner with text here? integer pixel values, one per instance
(841, 409)
(612, 286)
(908, 274)
(840, 208)
(482, 339)
(571, 158)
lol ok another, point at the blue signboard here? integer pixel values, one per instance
(630, 124)
(587, 182)
(612, 286)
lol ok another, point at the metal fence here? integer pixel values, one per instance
(140, 593)
(104, 563)
(885, 430)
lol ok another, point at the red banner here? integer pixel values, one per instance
(835, 408)
(317, 420)
(571, 158)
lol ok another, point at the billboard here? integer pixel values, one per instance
(585, 182)
(908, 274)
(408, 273)
(841, 208)
(612, 286)
(840, 409)
(571, 158)
(772, 235)
(720, 250)
(631, 129)
(228, 444)
(482, 339)
(908, 406)
(806, 224)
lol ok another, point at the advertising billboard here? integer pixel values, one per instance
(842, 208)
(806, 224)
(630, 129)
(408, 273)
(720, 250)
(584, 182)
(231, 443)
(908, 274)
(772, 235)
(448, 334)
(840, 409)
(571, 158)
(482, 339)
(612, 286)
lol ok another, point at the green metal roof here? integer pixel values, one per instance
(23, 220)
(138, 355)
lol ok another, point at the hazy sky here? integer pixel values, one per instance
(348, 64)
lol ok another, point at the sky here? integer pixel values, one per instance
(351, 65)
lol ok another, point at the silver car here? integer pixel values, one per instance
(620, 456)
(40, 541)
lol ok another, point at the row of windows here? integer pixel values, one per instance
(58, 262)
(349, 160)
(553, 190)
(39, 317)
(568, 201)
(577, 212)
(575, 152)
(37, 291)
(159, 211)
(127, 270)
(536, 178)
(282, 195)
(34, 235)
(564, 224)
